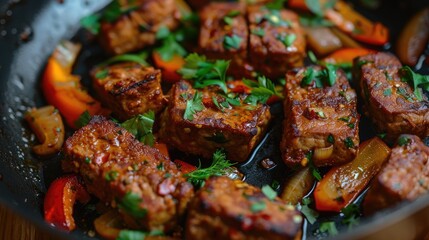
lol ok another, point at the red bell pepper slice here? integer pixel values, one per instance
(59, 201)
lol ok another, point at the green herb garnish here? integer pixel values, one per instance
(101, 74)
(258, 206)
(218, 167)
(137, 235)
(351, 215)
(329, 227)
(261, 90)
(204, 72)
(111, 176)
(310, 214)
(258, 32)
(193, 106)
(139, 58)
(417, 81)
(318, 9)
(349, 142)
(287, 39)
(403, 140)
(83, 119)
(141, 127)
(232, 42)
(269, 192)
(131, 204)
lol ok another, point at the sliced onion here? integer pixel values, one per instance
(323, 153)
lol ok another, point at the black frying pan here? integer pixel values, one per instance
(29, 32)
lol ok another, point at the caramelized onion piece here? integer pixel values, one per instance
(323, 153)
(297, 186)
(48, 126)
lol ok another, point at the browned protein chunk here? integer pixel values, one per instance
(236, 129)
(226, 209)
(198, 4)
(137, 28)
(221, 39)
(129, 89)
(389, 101)
(145, 185)
(404, 177)
(317, 118)
(277, 41)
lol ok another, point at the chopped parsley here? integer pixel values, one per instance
(417, 81)
(382, 135)
(275, 4)
(329, 227)
(388, 77)
(137, 235)
(130, 203)
(232, 42)
(111, 176)
(139, 58)
(327, 76)
(258, 206)
(315, 6)
(403, 140)
(274, 17)
(269, 192)
(83, 119)
(193, 106)
(218, 167)
(314, 170)
(101, 74)
(331, 139)
(261, 90)
(258, 32)
(229, 18)
(287, 39)
(314, 21)
(349, 142)
(351, 215)
(170, 45)
(88, 160)
(310, 214)
(401, 91)
(160, 167)
(110, 14)
(204, 72)
(141, 127)
(387, 92)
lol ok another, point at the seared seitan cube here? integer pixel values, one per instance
(277, 41)
(129, 89)
(136, 27)
(237, 129)
(405, 176)
(224, 33)
(389, 101)
(228, 209)
(319, 119)
(145, 185)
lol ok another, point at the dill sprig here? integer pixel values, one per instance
(218, 168)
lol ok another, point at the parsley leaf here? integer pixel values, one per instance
(328, 76)
(351, 215)
(258, 206)
(137, 235)
(310, 214)
(91, 23)
(329, 227)
(101, 74)
(258, 32)
(387, 92)
(287, 39)
(417, 81)
(205, 72)
(403, 140)
(193, 106)
(137, 58)
(318, 9)
(170, 45)
(130, 203)
(261, 90)
(218, 167)
(314, 21)
(314, 170)
(232, 42)
(349, 142)
(83, 119)
(141, 127)
(269, 192)
(276, 4)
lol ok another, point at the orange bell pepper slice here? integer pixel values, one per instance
(63, 90)
(342, 184)
(169, 68)
(346, 55)
(59, 201)
(359, 27)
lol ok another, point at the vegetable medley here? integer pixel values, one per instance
(185, 80)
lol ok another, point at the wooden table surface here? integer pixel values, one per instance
(13, 227)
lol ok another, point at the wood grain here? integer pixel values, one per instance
(13, 227)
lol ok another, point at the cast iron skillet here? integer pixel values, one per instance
(29, 32)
